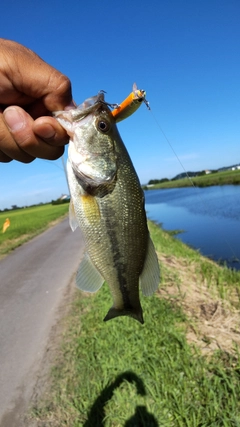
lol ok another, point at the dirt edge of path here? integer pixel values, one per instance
(213, 323)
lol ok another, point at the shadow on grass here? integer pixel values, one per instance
(141, 418)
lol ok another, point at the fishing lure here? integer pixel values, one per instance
(130, 104)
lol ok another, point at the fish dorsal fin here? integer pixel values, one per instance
(88, 278)
(72, 217)
(150, 276)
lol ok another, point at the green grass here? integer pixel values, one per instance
(123, 374)
(219, 178)
(27, 223)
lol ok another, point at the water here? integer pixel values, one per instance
(210, 218)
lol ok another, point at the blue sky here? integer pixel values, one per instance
(185, 54)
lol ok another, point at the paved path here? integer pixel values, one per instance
(33, 280)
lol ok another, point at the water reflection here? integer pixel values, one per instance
(209, 216)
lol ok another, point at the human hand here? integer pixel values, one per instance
(30, 90)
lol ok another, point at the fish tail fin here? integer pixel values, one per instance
(135, 313)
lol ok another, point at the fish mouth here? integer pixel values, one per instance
(79, 115)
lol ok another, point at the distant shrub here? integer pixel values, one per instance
(157, 181)
(60, 201)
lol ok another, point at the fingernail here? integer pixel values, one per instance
(13, 119)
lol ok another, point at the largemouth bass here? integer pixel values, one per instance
(107, 202)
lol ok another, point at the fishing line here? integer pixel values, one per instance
(174, 152)
(194, 186)
(53, 164)
(65, 172)
(63, 168)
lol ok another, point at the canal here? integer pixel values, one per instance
(209, 218)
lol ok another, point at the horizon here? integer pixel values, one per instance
(184, 172)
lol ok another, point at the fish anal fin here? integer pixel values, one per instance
(150, 276)
(88, 278)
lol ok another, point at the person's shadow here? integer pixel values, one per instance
(141, 418)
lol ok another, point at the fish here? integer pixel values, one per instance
(107, 203)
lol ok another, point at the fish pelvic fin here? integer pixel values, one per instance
(72, 217)
(150, 276)
(135, 313)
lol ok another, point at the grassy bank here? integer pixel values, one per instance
(219, 178)
(181, 368)
(27, 223)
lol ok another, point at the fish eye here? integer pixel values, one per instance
(103, 126)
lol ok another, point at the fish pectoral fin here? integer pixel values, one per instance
(88, 278)
(72, 217)
(150, 276)
(90, 208)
